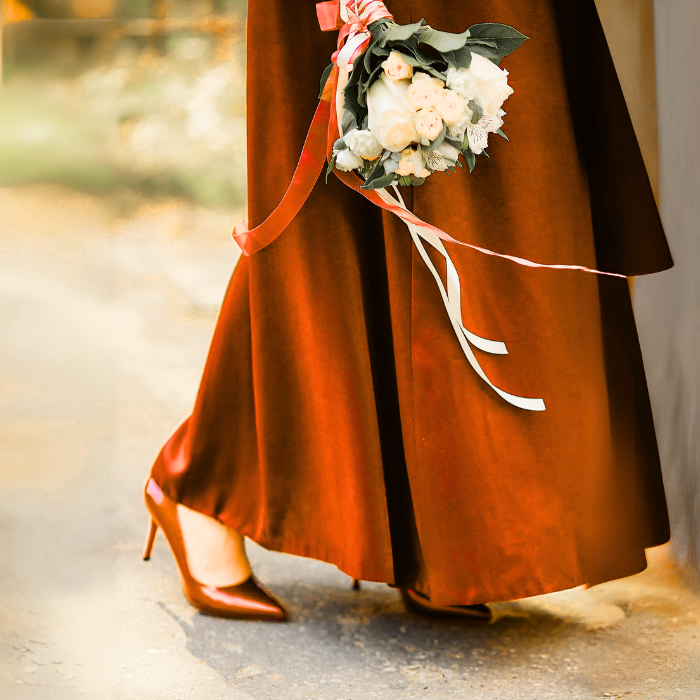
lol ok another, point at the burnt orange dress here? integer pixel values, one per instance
(337, 417)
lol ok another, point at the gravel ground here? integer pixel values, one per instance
(106, 320)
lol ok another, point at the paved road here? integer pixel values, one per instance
(105, 324)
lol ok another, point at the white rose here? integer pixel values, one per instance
(491, 82)
(396, 68)
(462, 82)
(390, 115)
(347, 160)
(363, 143)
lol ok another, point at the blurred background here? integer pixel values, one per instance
(117, 96)
(122, 171)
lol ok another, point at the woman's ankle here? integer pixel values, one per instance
(215, 552)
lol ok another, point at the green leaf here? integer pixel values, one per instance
(331, 165)
(405, 180)
(501, 133)
(399, 32)
(348, 121)
(417, 181)
(443, 41)
(339, 145)
(477, 112)
(379, 182)
(417, 63)
(470, 158)
(377, 172)
(390, 166)
(507, 39)
(461, 58)
(324, 79)
(365, 85)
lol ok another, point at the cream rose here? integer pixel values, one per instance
(450, 106)
(411, 162)
(396, 68)
(491, 82)
(428, 124)
(363, 143)
(390, 115)
(347, 160)
(424, 91)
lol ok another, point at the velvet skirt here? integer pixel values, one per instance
(337, 417)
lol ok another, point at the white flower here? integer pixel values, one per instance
(478, 134)
(443, 157)
(363, 143)
(390, 115)
(462, 81)
(346, 160)
(491, 82)
(411, 162)
(456, 131)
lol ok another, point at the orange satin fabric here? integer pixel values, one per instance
(338, 419)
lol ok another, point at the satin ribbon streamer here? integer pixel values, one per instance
(353, 19)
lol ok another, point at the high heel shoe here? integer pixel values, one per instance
(420, 604)
(245, 601)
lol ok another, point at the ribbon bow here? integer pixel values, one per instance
(353, 19)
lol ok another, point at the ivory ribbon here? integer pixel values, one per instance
(353, 18)
(452, 299)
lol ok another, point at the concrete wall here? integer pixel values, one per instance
(667, 305)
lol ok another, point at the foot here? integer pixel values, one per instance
(420, 604)
(215, 552)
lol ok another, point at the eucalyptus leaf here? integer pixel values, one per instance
(506, 38)
(391, 166)
(379, 182)
(477, 112)
(385, 156)
(396, 156)
(417, 181)
(443, 41)
(324, 79)
(340, 145)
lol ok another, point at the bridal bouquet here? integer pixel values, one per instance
(417, 98)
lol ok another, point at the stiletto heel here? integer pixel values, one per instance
(150, 539)
(356, 584)
(244, 601)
